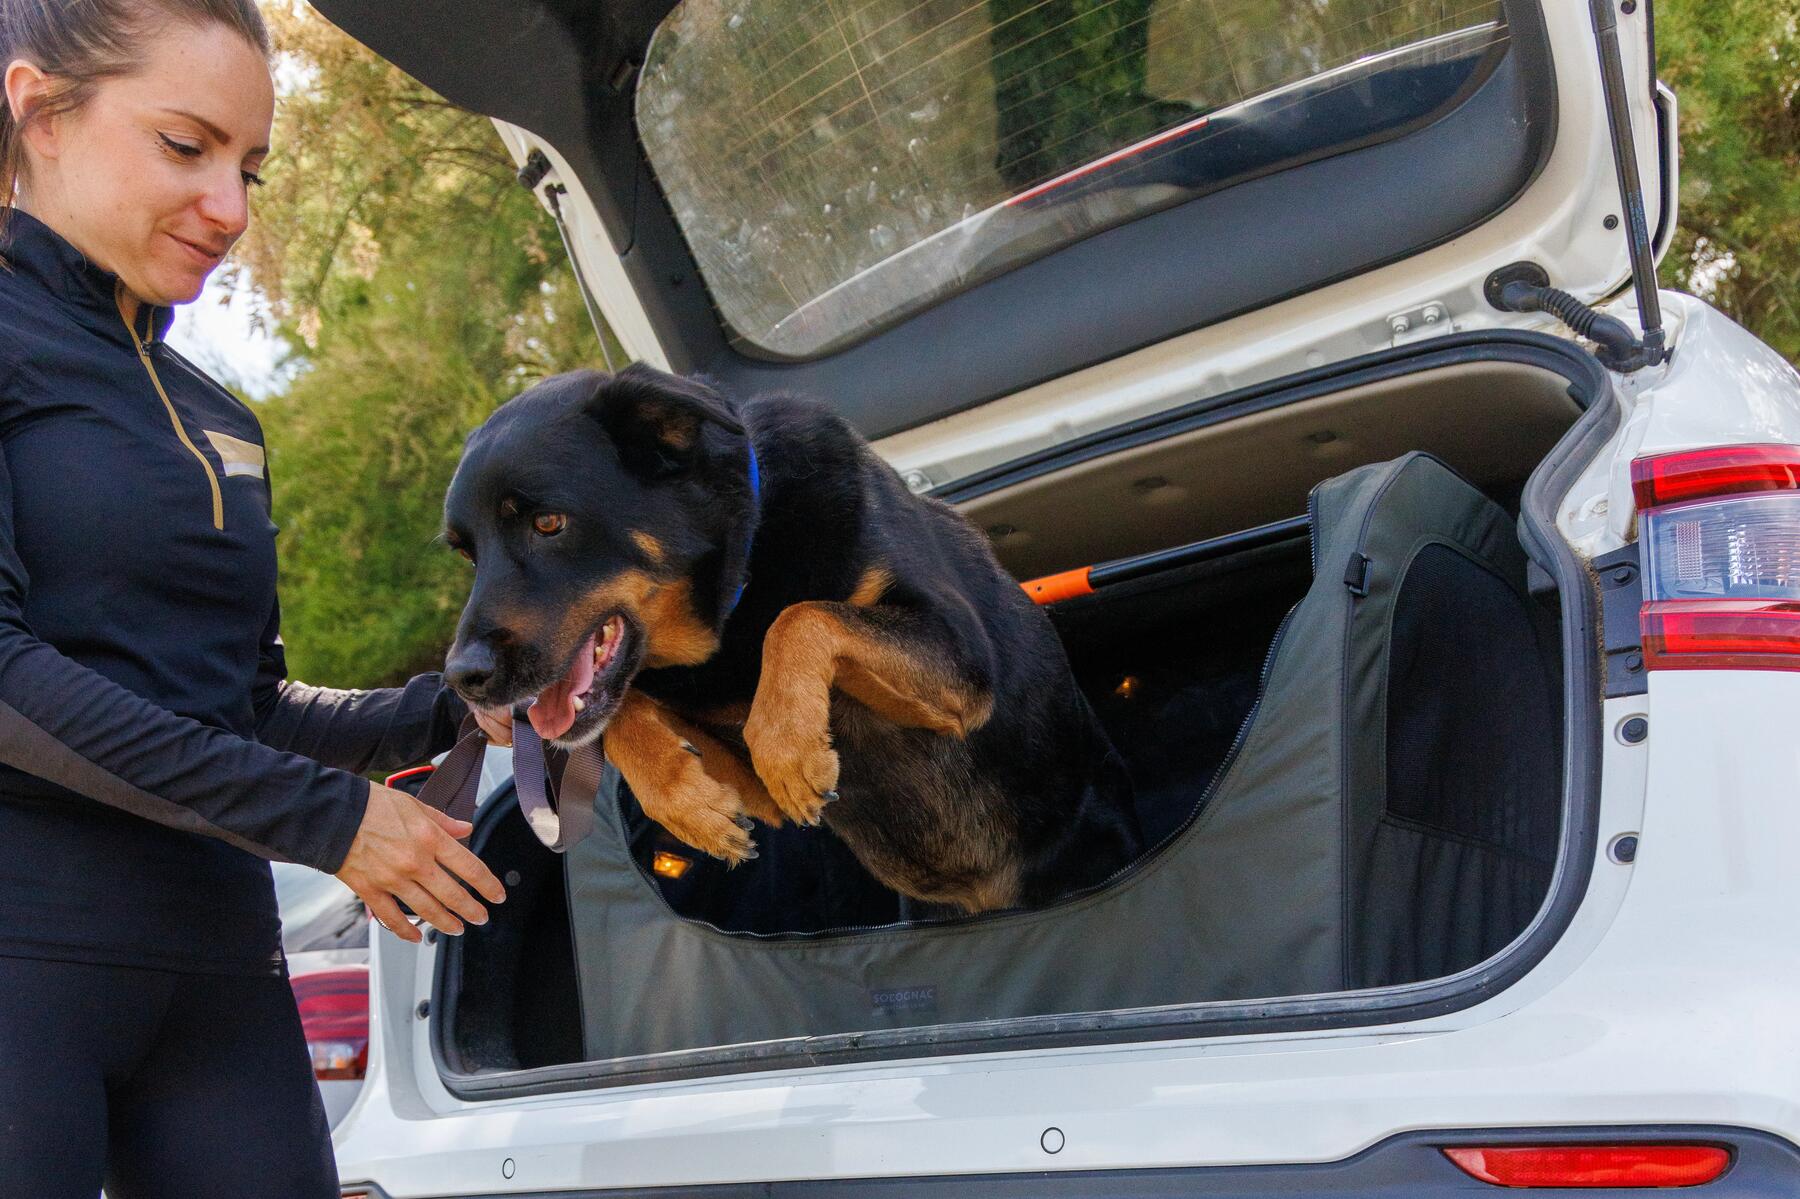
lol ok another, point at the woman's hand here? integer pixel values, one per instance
(495, 722)
(408, 852)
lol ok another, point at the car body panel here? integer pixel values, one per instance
(1660, 1005)
(1723, 387)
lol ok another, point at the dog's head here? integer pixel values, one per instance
(606, 517)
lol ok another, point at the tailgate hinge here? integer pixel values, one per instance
(1416, 324)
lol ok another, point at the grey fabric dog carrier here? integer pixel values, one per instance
(1383, 816)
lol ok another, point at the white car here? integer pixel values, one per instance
(325, 939)
(1127, 282)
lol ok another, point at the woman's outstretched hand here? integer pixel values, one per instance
(408, 852)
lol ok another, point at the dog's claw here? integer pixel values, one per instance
(690, 747)
(828, 796)
(744, 822)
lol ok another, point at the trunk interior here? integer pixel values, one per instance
(1172, 661)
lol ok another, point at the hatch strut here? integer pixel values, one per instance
(537, 165)
(1525, 286)
(1631, 187)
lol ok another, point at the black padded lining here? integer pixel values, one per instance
(515, 984)
(1466, 842)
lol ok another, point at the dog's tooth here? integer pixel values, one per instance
(579, 703)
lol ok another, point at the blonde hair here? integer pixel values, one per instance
(82, 43)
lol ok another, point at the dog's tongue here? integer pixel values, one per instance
(554, 711)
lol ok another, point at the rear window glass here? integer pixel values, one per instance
(837, 165)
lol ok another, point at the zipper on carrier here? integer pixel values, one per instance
(212, 477)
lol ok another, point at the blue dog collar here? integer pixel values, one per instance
(750, 538)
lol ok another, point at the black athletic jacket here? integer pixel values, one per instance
(150, 745)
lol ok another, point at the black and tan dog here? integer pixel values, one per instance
(765, 623)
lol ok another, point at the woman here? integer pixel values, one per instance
(150, 747)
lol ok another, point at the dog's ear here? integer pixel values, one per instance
(657, 419)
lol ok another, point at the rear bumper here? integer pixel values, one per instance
(1406, 1167)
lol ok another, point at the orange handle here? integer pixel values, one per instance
(1052, 589)
(400, 776)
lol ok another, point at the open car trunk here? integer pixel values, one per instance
(1357, 786)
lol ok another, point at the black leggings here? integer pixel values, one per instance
(157, 1084)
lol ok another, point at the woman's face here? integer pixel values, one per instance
(150, 178)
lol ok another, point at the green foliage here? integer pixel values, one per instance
(420, 286)
(1735, 66)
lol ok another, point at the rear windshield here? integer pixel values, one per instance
(837, 165)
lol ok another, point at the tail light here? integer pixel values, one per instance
(334, 1014)
(1592, 1165)
(1719, 529)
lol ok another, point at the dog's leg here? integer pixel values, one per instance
(887, 659)
(726, 766)
(673, 784)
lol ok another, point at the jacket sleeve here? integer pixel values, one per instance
(78, 729)
(364, 731)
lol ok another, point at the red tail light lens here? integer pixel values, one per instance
(1722, 635)
(1718, 470)
(1719, 532)
(1593, 1165)
(334, 1014)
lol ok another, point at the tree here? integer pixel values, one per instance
(420, 286)
(1735, 64)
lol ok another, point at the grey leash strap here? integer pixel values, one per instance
(558, 822)
(451, 788)
(560, 812)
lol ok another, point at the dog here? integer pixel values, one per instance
(765, 624)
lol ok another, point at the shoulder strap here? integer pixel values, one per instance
(451, 788)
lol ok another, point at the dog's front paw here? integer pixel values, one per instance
(706, 814)
(760, 805)
(800, 770)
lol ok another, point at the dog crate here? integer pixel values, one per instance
(1360, 792)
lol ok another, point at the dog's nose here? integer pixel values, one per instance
(469, 667)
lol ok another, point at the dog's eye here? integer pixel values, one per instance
(549, 524)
